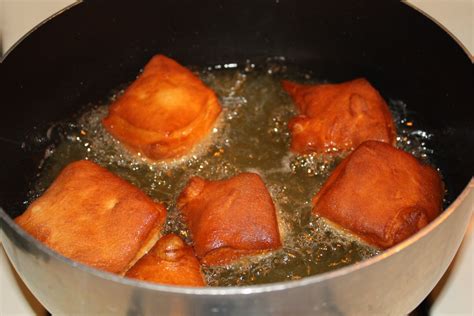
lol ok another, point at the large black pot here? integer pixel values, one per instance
(83, 53)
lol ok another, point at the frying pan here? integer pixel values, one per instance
(89, 49)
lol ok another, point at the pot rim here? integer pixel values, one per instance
(249, 289)
(72, 5)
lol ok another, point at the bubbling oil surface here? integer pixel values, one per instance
(251, 135)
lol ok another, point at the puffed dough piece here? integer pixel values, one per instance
(165, 112)
(90, 215)
(170, 261)
(338, 116)
(381, 194)
(229, 219)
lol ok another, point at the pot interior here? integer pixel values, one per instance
(68, 63)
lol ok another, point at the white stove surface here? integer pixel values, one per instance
(452, 296)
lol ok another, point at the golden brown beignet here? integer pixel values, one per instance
(380, 193)
(229, 219)
(339, 116)
(170, 261)
(165, 112)
(90, 215)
